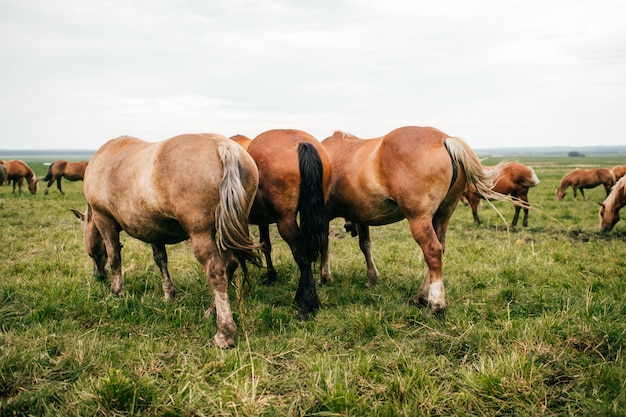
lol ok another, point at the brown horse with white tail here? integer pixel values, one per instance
(515, 180)
(580, 178)
(417, 173)
(294, 185)
(609, 210)
(16, 172)
(71, 171)
(197, 187)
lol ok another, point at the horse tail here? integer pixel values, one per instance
(231, 214)
(530, 181)
(482, 179)
(311, 200)
(48, 176)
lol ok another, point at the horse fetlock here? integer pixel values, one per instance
(223, 341)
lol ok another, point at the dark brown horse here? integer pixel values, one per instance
(16, 172)
(515, 180)
(187, 187)
(579, 179)
(294, 182)
(417, 173)
(619, 171)
(609, 210)
(72, 171)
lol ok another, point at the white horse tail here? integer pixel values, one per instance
(231, 214)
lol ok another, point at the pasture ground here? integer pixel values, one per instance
(535, 324)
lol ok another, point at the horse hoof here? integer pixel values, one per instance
(222, 341)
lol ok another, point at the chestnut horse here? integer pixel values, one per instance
(579, 179)
(515, 179)
(619, 171)
(294, 181)
(187, 187)
(609, 210)
(72, 171)
(16, 172)
(417, 173)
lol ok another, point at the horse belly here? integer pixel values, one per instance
(154, 230)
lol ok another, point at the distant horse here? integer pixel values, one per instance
(294, 181)
(579, 179)
(72, 171)
(187, 187)
(609, 210)
(417, 173)
(619, 171)
(515, 179)
(3, 174)
(16, 172)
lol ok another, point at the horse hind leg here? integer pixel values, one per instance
(159, 253)
(431, 293)
(266, 243)
(59, 186)
(365, 244)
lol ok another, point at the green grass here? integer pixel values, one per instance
(535, 322)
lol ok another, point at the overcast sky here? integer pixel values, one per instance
(74, 74)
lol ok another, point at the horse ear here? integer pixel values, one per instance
(601, 205)
(80, 216)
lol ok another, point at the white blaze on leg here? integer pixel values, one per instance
(437, 296)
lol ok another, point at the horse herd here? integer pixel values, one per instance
(209, 188)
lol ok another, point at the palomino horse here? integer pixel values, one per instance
(72, 171)
(619, 171)
(579, 179)
(515, 179)
(609, 210)
(294, 180)
(417, 173)
(187, 187)
(16, 172)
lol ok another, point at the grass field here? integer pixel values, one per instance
(535, 324)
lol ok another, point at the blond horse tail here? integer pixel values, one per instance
(231, 214)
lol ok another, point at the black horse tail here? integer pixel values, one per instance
(311, 201)
(48, 176)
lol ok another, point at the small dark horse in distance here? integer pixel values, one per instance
(579, 179)
(198, 187)
(294, 184)
(515, 180)
(16, 172)
(72, 171)
(609, 209)
(417, 173)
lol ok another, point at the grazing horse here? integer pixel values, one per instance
(3, 174)
(609, 210)
(619, 171)
(16, 172)
(417, 173)
(72, 171)
(579, 179)
(515, 179)
(187, 187)
(294, 181)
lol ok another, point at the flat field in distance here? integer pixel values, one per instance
(535, 324)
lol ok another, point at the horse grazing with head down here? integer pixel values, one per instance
(515, 180)
(417, 173)
(294, 183)
(197, 187)
(16, 172)
(579, 179)
(72, 171)
(609, 209)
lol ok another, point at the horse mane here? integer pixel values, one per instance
(344, 135)
(618, 188)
